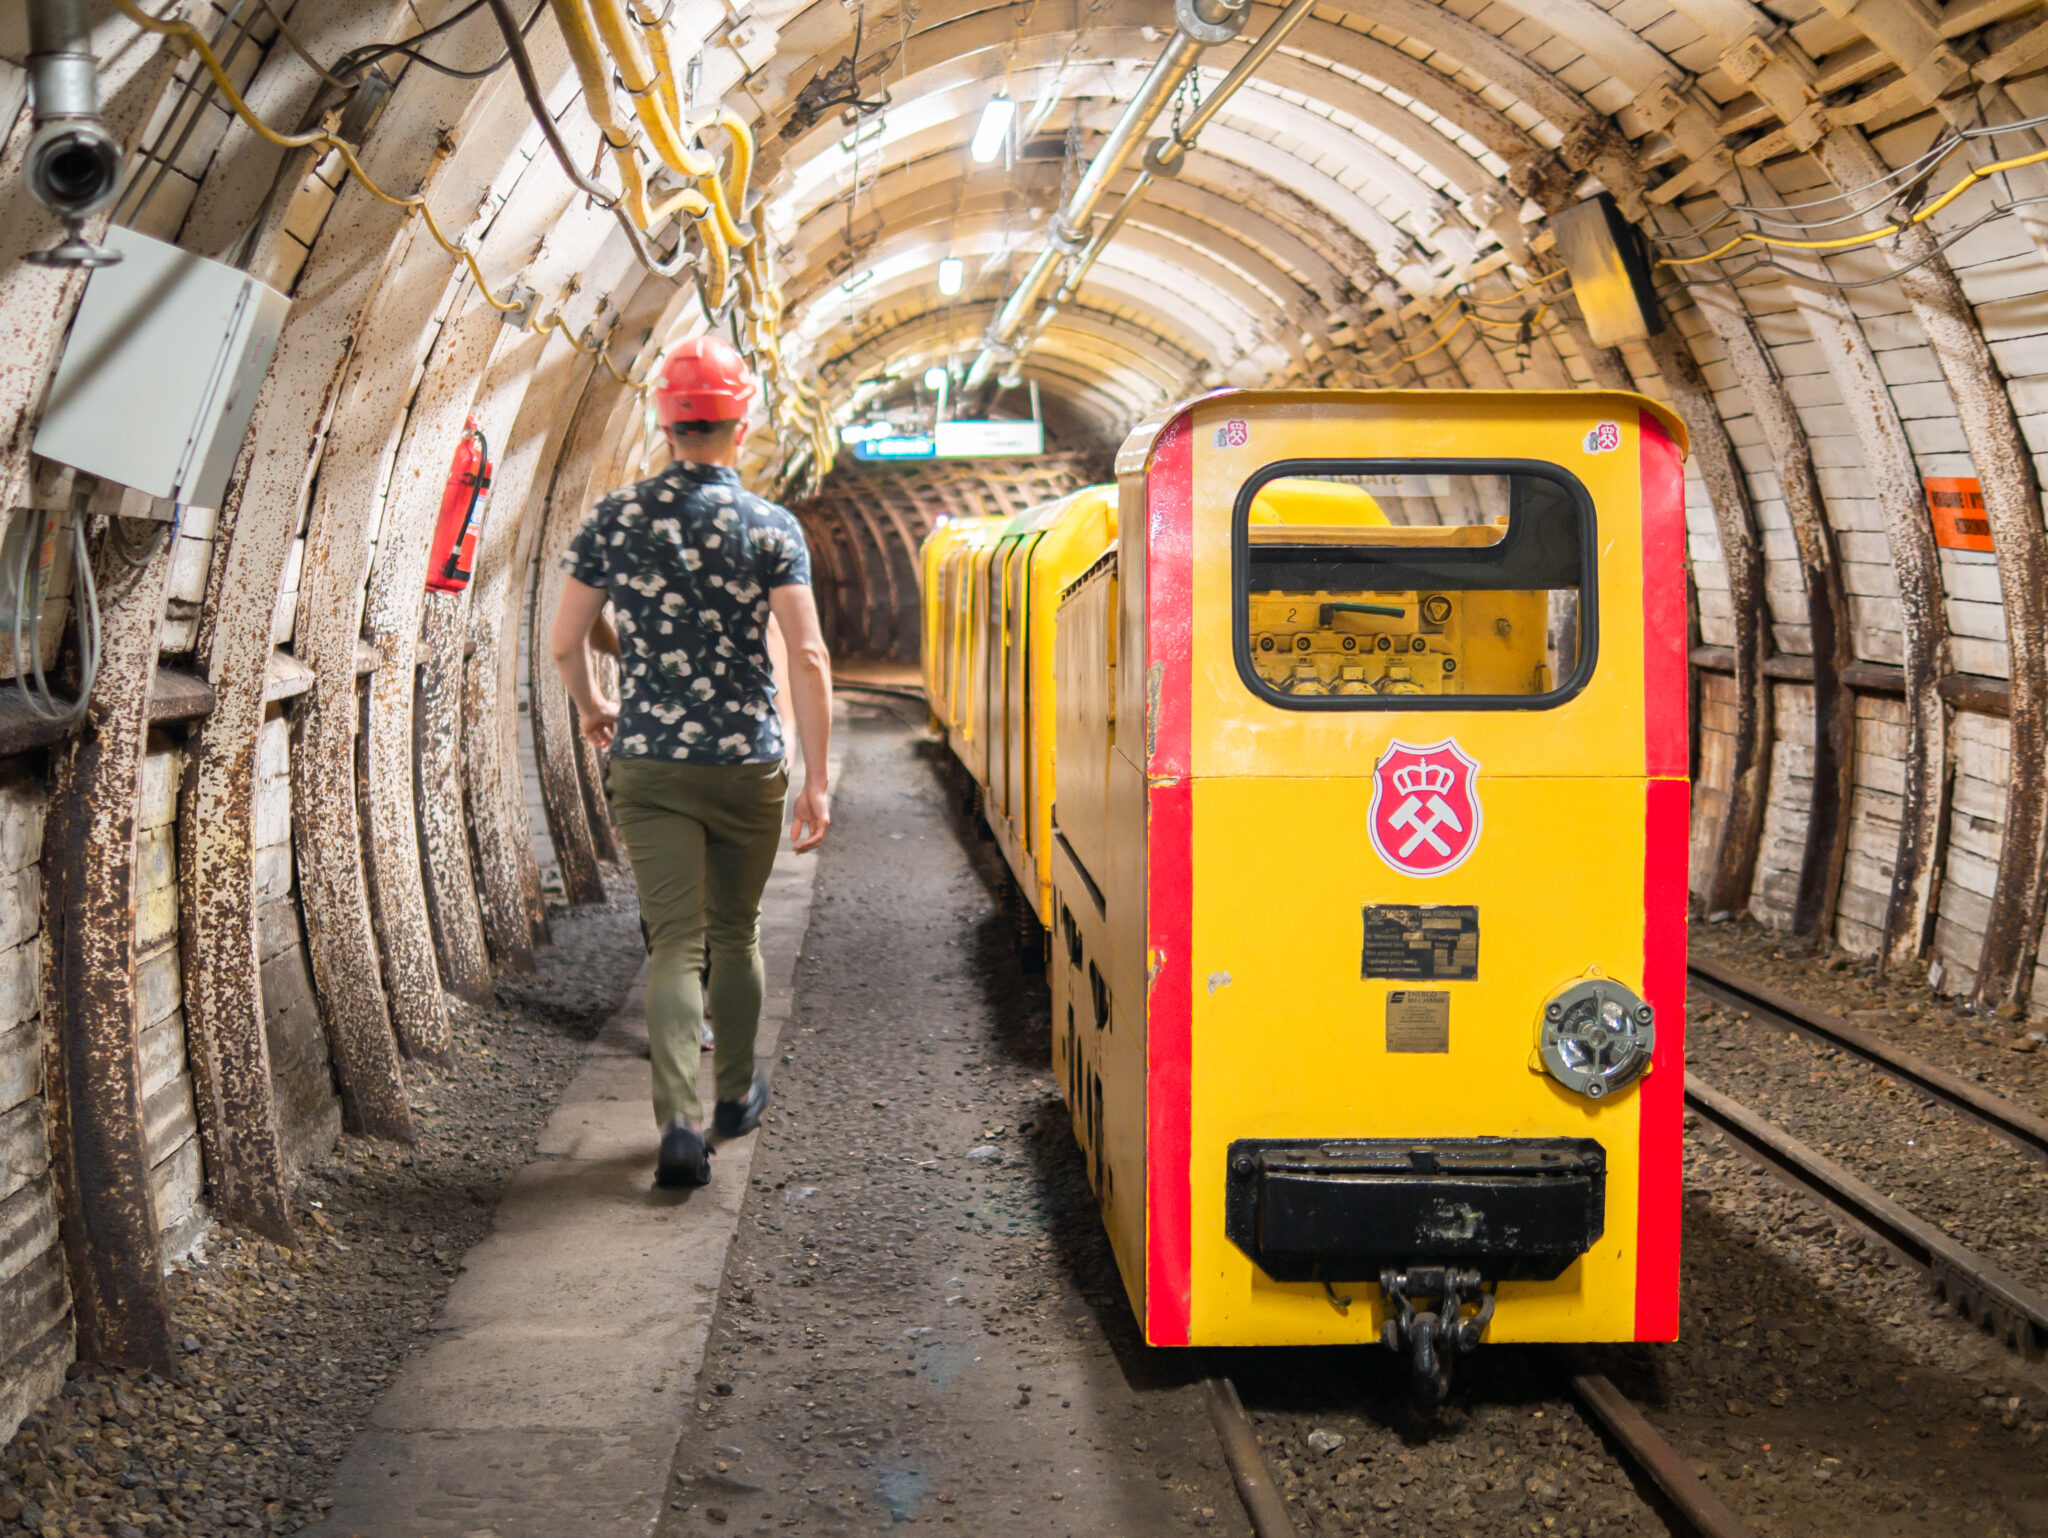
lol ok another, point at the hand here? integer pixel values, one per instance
(597, 726)
(810, 819)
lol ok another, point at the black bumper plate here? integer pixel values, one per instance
(1512, 1208)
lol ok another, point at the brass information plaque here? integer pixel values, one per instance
(1418, 1020)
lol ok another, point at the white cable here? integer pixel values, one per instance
(40, 699)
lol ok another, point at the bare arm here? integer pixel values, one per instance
(810, 686)
(579, 613)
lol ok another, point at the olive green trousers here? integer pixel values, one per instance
(702, 841)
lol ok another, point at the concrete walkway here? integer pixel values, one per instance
(552, 1398)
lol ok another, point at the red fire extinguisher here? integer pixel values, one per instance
(462, 513)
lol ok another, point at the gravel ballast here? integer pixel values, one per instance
(1936, 1162)
(285, 1349)
(920, 1321)
(2000, 1050)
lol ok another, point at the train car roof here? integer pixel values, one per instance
(1137, 446)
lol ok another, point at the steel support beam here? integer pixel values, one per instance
(1735, 850)
(427, 916)
(93, 1081)
(1827, 612)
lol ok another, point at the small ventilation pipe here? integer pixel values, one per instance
(1198, 24)
(73, 167)
(1164, 159)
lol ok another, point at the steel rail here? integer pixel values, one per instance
(2021, 1127)
(1993, 1299)
(1697, 1506)
(1263, 1502)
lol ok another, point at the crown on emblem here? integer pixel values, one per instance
(1416, 779)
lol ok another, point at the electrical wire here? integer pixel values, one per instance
(292, 42)
(1464, 307)
(39, 697)
(1916, 169)
(407, 50)
(715, 201)
(357, 59)
(1871, 237)
(1999, 211)
(318, 138)
(1898, 181)
(1502, 301)
(165, 158)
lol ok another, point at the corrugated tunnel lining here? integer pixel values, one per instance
(1371, 209)
(867, 521)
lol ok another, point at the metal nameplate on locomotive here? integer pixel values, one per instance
(1418, 1020)
(1421, 942)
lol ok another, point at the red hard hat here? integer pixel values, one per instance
(704, 380)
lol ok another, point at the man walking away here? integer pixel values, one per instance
(694, 565)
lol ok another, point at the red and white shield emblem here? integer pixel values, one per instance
(1425, 807)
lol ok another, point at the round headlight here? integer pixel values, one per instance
(1597, 1037)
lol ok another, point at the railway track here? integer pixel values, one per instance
(1734, 990)
(1694, 1509)
(1979, 1290)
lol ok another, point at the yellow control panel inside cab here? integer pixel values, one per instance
(1312, 634)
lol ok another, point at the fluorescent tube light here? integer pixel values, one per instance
(993, 130)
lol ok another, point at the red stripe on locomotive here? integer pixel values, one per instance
(1170, 883)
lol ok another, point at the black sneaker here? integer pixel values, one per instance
(736, 1118)
(685, 1158)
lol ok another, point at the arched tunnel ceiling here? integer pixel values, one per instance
(1386, 163)
(1386, 158)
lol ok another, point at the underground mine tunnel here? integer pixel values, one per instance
(1427, 628)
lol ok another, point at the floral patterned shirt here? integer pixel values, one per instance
(688, 558)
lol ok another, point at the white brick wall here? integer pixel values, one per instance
(35, 1303)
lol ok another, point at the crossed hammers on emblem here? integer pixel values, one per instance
(1407, 815)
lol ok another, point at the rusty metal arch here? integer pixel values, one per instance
(515, 915)
(1735, 853)
(419, 897)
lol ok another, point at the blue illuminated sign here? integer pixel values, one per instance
(909, 446)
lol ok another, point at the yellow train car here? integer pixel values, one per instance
(991, 592)
(1368, 870)
(954, 562)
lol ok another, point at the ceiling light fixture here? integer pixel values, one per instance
(952, 274)
(993, 129)
(934, 378)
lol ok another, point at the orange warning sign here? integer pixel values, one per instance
(1957, 503)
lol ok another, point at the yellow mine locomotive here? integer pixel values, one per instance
(1340, 747)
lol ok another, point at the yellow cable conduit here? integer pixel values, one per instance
(1850, 242)
(711, 201)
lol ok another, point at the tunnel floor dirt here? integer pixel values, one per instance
(921, 1321)
(285, 1350)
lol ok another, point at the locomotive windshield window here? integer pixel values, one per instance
(1414, 584)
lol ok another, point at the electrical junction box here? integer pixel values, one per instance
(159, 377)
